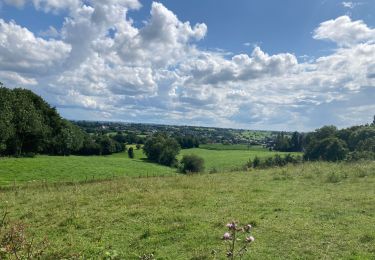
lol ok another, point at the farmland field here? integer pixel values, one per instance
(76, 168)
(228, 157)
(308, 211)
(81, 168)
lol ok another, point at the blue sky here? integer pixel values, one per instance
(283, 65)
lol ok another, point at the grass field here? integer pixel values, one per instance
(221, 147)
(76, 168)
(81, 168)
(227, 157)
(310, 211)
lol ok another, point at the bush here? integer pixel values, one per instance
(131, 152)
(138, 146)
(256, 162)
(192, 163)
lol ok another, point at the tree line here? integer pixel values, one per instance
(29, 125)
(331, 144)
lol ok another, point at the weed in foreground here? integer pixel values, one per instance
(237, 247)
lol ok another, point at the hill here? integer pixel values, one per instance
(309, 211)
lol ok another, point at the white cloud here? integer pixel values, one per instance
(345, 32)
(350, 5)
(22, 52)
(156, 73)
(163, 41)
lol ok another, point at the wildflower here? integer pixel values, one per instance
(231, 226)
(227, 236)
(250, 239)
(247, 228)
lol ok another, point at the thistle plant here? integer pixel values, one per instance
(238, 239)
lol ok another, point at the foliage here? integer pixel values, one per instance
(131, 152)
(328, 149)
(162, 149)
(276, 160)
(330, 144)
(29, 125)
(187, 141)
(285, 143)
(192, 164)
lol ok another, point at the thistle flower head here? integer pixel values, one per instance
(227, 236)
(250, 239)
(247, 228)
(231, 226)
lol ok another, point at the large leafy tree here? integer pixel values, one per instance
(162, 149)
(6, 117)
(328, 149)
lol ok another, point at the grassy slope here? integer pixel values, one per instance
(76, 168)
(223, 159)
(80, 168)
(313, 211)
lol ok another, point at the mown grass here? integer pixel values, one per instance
(298, 212)
(76, 168)
(220, 158)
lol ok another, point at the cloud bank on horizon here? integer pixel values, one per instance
(100, 66)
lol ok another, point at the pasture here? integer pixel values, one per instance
(222, 158)
(83, 168)
(76, 168)
(308, 211)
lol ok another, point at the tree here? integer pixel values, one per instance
(28, 124)
(192, 163)
(161, 149)
(328, 149)
(6, 117)
(131, 152)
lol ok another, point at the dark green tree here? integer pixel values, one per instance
(161, 149)
(328, 149)
(131, 152)
(6, 117)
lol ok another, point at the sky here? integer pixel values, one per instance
(262, 64)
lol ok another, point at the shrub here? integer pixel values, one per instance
(131, 152)
(192, 163)
(138, 146)
(256, 162)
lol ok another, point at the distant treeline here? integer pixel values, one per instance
(331, 144)
(29, 125)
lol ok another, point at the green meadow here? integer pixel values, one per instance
(222, 158)
(84, 168)
(307, 211)
(76, 168)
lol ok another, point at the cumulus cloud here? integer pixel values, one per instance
(22, 52)
(163, 41)
(345, 32)
(99, 65)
